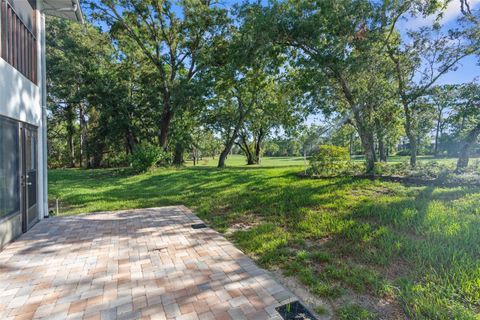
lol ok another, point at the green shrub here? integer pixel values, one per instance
(392, 169)
(118, 160)
(146, 156)
(424, 170)
(330, 160)
(355, 168)
(430, 170)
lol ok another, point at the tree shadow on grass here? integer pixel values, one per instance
(436, 241)
(164, 187)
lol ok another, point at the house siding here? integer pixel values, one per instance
(21, 100)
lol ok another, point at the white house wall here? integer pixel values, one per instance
(19, 97)
(21, 100)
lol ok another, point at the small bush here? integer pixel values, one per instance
(118, 160)
(392, 169)
(423, 170)
(355, 168)
(146, 156)
(430, 170)
(330, 160)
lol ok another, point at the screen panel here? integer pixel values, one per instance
(9, 168)
(18, 37)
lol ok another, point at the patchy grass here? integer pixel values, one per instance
(354, 311)
(321, 310)
(240, 161)
(416, 247)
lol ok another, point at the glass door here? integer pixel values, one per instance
(29, 176)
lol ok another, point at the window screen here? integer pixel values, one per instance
(9, 168)
(18, 41)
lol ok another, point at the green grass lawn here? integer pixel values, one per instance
(372, 249)
(239, 161)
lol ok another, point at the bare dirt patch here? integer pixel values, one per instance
(397, 269)
(384, 308)
(245, 222)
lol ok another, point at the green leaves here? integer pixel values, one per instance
(145, 157)
(330, 161)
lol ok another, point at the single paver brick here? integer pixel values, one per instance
(187, 308)
(172, 310)
(238, 301)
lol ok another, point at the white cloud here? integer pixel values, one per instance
(450, 14)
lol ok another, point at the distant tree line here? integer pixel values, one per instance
(198, 79)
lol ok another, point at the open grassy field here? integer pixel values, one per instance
(371, 249)
(239, 161)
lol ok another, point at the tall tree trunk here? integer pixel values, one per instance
(231, 140)
(411, 134)
(368, 144)
(99, 145)
(178, 154)
(83, 134)
(368, 140)
(408, 125)
(131, 141)
(165, 120)
(361, 123)
(70, 115)
(97, 157)
(469, 141)
(258, 145)
(462, 123)
(250, 160)
(194, 155)
(437, 133)
(228, 146)
(71, 148)
(413, 151)
(380, 130)
(243, 144)
(221, 159)
(351, 144)
(382, 152)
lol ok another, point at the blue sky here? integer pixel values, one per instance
(469, 69)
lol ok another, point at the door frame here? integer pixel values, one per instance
(24, 183)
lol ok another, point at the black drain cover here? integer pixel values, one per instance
(295, 311)
(199, 226)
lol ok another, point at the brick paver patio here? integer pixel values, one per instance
(146, 263)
